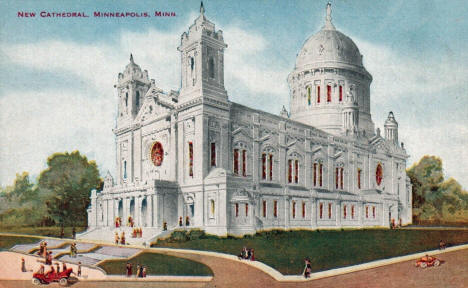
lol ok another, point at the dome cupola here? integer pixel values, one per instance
(328, 67)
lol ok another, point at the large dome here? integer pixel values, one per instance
(329, 45)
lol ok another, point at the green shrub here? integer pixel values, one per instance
(195, 234)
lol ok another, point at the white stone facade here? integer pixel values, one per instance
(229, 169)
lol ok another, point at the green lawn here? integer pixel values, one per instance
(42, 231)
(6, 242)
(286, 250)
(158, 264)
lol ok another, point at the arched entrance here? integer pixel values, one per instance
(144, 212)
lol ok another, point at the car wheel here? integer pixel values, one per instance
(423, 265)
(36, 281)
(63, 282)
(437, 263)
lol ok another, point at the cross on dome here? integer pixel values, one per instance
(328, 18)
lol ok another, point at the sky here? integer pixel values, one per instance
(57, 74)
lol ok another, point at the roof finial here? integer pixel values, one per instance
(202, 9)
(328, 19)
(131, 58)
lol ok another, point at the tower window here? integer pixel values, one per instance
(192, 63)
(341, 93)
(125, 169)
(190, 148)
(329, 90)
(359, 178)
(318, 94)
(137, 99)
(213, 154)
(211, 67)
(309, 95)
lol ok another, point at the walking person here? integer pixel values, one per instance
(79, 269)
(138, 271)
(129, 269)
(307, 268)
(23, 265)
(117, 238)
(140, 274)
(74, 233)
(144, 271)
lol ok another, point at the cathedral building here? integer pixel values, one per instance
(194, 159)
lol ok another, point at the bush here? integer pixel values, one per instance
(195, 234)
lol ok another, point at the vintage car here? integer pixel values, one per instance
(427, 261)
(47, 278)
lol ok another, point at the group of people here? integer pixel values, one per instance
(187, 221)
(73, 250)
(120, 239)
(43, 252)
(137, 232)
(52, 270)
(247, 254)
(140, 270)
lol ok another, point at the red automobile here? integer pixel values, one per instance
(427, 261)
(47, 278)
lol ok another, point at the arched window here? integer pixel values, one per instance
(192, 63)
(341, 93)
(359, 171)
(190, 154)
(329, 92)
(213, 154)
(137, 99)
(267, 164)
(212, 208)
(211, 67)
(318, 94)
(240, 159)
(293, 168)
(379, 174)
(339, 170)
(293, 209)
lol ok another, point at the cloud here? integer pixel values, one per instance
(38, 124)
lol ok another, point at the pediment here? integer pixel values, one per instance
(241, 132)
(152, 108)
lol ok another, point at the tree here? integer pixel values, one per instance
(66, 187)
(433, 198)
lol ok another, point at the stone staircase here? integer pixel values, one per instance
(107, 234)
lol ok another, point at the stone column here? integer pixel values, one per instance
(156, 221)
(126, 210)
(93, 208)
(313, 213)
(137, 211)
(256, 158)
(362, 213)
(308, 177)
(105, 207)
(149, 211)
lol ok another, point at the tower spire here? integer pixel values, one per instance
(328, 18)
(131, 58)
(202, 9)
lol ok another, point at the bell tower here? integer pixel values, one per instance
(202, 61)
